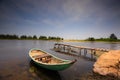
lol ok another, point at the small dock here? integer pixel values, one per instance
(88, 52)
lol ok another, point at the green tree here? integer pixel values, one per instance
(29, 37)
(8, 36)
(14, 36)
(91, 39)
(54, 38)
(23, 37)
(113, 37)
(34, 37)
(2, 36)
(43, 37)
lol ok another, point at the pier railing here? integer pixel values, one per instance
(92, 53)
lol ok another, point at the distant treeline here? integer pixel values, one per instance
(24, 37)
(112, 37)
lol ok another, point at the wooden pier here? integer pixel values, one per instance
(79, 50)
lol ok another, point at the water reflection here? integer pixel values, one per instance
(114, 46)
(16, 64)
(43, 74)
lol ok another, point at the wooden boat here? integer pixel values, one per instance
(49, 61)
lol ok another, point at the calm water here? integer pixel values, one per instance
(16, 64)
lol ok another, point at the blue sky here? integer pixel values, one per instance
(70, 19)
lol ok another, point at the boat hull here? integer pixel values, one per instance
(56, 67)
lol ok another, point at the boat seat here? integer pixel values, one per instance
(40, 57)
(45, 60)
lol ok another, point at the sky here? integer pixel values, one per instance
(70, 19)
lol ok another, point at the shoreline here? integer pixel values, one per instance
(66, 40)
(89, 41)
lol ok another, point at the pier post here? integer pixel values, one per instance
(64, 48)
(69, 49)
(93, 52)
(80, 51)
(54, 46)
(59, 47)
(85, 52)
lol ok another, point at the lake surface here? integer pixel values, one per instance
(17, 65)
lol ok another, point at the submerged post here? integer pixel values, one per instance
(80, 51)
(64, 48)
(59, 49)
(69, 49)
(85, 52)
(93, 52)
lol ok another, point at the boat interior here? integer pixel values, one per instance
(43, 57)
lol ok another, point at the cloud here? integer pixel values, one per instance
(84, 15)
(99, 11)
(67, 10)
(54, 23)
